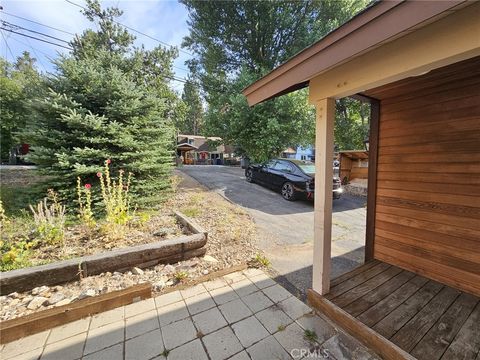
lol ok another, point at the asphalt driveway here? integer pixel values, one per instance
(286, 228)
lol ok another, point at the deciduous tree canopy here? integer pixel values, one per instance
(237, 42)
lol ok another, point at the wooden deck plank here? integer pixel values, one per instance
(384, 307)
(394, 321)
(466, 344)
(376, 295)
(369, 285)
(439, 337)
(356, 280)
(350, 274)
(415, 329)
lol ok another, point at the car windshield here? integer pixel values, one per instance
(306, 166)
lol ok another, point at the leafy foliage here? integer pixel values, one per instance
(351, 124)
(108, 99)
(19, 82)
(238, 42)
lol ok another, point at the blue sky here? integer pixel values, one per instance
(163, 20)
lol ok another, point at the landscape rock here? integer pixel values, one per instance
(86, 293)
(169, 268)
(55, 298)
(13, 295)
(40, 290)
(137, 271)
(37, 302)
(210, 259)
(159, 285)
(63, 302)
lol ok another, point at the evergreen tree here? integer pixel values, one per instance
(107, 100)
(193, 121)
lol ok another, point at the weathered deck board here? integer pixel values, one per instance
(467, 342)
(427, 319)
(410, 334)
(367, 286)
(439, 337)
(356, 280)
(373, 297)
(350, 274)
(391, 302)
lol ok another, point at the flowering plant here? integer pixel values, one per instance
(85, 212)
(115, 195)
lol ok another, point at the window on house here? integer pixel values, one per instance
(190, 141)
(304, 157)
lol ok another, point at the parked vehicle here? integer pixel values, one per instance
(293, 178)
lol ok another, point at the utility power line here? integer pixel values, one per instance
(135, 30)
(36, 22)
(36, 38)
(18, 27)
(7, 46)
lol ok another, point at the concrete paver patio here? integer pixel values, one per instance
(244, 315)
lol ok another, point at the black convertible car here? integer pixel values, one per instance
(294, 178)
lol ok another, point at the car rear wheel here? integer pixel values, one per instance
(249, 175)
(288, 192)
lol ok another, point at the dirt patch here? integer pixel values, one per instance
(231, 238)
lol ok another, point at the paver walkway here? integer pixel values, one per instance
(244, 315)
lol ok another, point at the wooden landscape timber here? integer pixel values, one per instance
(142, 256)
(14, 329)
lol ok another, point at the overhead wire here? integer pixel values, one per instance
(7, 46)
(36, 38)
(135, 30)
(17, 27)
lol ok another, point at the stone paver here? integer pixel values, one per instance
(267, 349)
(144, 347)
(223, 295)
(209, 321)
(68, 349)
(292, 338)
(235, 310)
(25, 345)
(68, 330)
(178, 333)
(222, 344)
(199, 303)
(142, 323)
(139, 307)
(257, 301)
(104, 336)
(249, 331)
(294, 307)
(114, 352)
(273, 319)
(276, 293)
(244, 315)
(107, 317)
(168, 299)
(172, 312)
(190, 351)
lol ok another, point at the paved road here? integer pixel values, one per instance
(286, 228)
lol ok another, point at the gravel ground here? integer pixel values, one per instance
(231, 239)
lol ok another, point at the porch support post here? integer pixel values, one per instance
(325, 116)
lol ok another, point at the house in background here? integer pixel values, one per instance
(305, 153)
(288, 153)
(201, 150)
(418, 65)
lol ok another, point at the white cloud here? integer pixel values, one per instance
(163, 20)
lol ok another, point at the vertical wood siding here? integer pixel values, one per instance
(428, 176)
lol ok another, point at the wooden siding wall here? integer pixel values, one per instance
(428, 180)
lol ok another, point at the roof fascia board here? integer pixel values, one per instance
(374, 27)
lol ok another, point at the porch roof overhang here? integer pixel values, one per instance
(389, 41)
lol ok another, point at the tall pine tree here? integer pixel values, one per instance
(108, 100)
(192, 124)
